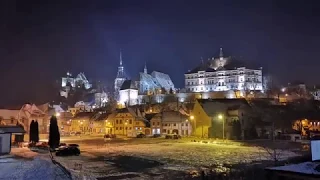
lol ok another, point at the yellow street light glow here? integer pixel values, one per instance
(220, 116)
(186, 120)
(57, 114)
(191, 117)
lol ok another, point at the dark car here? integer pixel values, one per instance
(173, 136)
(156, 135)
(108, 137)
(70, 150)
(62, 144)
(141, 136)
(77, 134)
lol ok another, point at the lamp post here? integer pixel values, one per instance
(220, 116)
(195, 127)
(126, 128)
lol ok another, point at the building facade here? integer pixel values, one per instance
(171, 122)
(210, 117)
(128, 93)
(223, 74)
(69, 82)
(129, 122)
(154, 83)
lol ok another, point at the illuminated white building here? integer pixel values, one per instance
(128, 93)
(69, 82)
(77, 81)
(223, 74)
(154, 83)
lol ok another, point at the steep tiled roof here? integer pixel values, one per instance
(213, 107)
(201, 67)
(173, 116)
(8, 114)
(128, 84)
(85, 115)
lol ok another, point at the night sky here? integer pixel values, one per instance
(41, 41)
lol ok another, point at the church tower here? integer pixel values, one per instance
(220, 63)
(120, 78)
(145, 68)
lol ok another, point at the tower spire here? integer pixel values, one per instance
(145, 68)
(221, 52)
(120, 57)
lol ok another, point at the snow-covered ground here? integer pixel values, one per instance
(135, 159)
(24, 164)
(154, 158)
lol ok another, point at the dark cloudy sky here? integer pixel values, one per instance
(40, 41)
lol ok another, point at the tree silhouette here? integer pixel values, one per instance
(31, 131)
(54, 135)
(36, 132)
(171, 91)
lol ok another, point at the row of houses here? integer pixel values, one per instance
(131, 122)
(213, 118)
(203, 118)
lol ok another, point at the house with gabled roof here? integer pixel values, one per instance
(130, 122)
(210, 117)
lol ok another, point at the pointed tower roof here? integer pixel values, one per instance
(120, 57)
(145, 70)
(221, 52)
(121, 73)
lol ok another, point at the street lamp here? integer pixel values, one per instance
(220, 116)
(193, 125)
(57, 114)
(126, 128)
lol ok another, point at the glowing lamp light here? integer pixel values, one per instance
(191, 117)
(57, 114)
(220, 116)
(283, 89)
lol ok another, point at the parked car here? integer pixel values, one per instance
(156, 135)
(173, 136)
(62, 144)
(77, 134)
(141, 136)
(70, 150)
(108, 137)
